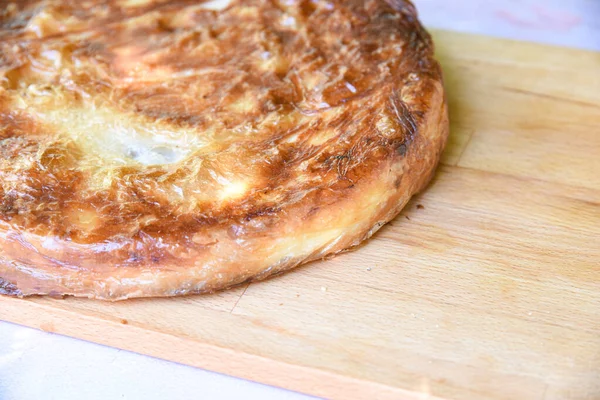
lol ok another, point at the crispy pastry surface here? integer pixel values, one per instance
(160, 148)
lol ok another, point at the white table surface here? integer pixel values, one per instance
(37, 365)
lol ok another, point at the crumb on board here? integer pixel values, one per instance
(323, 289)
(368, 268)
(124, 321)
(420, 206)
(406, 216)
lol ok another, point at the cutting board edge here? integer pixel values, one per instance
(141, 340)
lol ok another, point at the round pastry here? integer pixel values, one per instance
(162, 148)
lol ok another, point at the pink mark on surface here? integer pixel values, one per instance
(561, 20)
(516, 20)
(542, 18)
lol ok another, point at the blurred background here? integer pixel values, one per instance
(572, 23)
(36, 365)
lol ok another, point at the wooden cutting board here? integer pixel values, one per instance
(486, 287)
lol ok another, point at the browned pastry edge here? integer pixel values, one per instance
(414, 172)
(309, 229)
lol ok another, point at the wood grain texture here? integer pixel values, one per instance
(486, 287)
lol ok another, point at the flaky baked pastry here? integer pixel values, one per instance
(161, 148)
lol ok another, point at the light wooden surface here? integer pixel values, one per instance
(491, 289)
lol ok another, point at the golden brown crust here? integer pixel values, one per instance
(159, 148)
